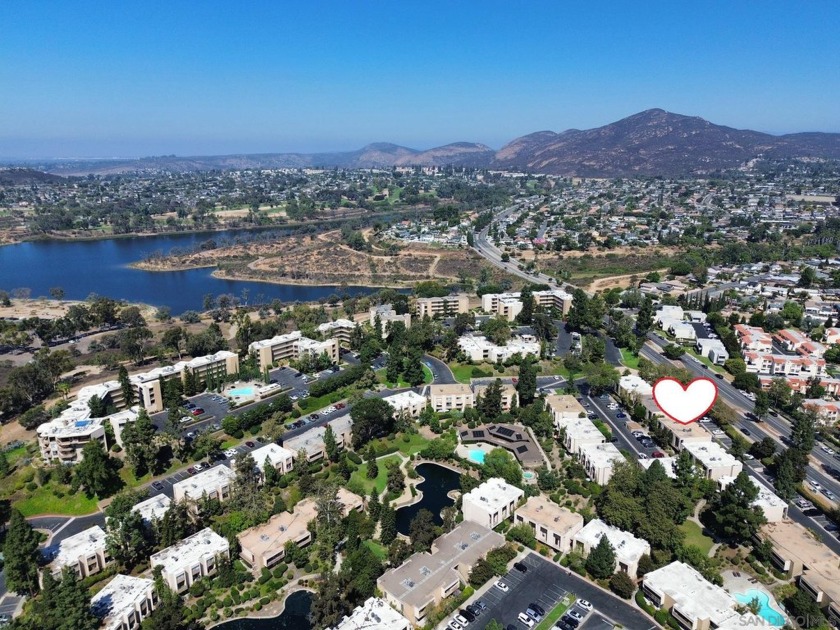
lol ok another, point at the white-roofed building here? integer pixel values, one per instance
(715, 460)
(153, 508)
(86, 553)
(478, 348)
(340, 329)
(599, 460)
(191, 559)
(553, 525)
(386, 314)
(214, 483)
(312, 441)
(712, 349)
(451, 397)
(577, 433)
(291, 347)
(491, 502)
(628, 549)
(408, 402)
(634, 386)
(695, 603)
(124, 602)
(281, 459)
(774, 507)
(374, 614)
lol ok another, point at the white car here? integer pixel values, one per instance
(462, 620)
(502, 586)
(231, 452)
(642, 456)
(526, 620)
(198, 467)
(718, 432)
(575, 615)
(826, 449)
(454, 625)
(584, 604)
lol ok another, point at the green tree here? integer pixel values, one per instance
(413, 373)
(622, 585)
(732, 515)
(170, 613)
(803, 431)
(490, 403)
(526, 386)
(21, 555)
(644, 319)
(371, 417)
(601, 377)
(526, 296)
(330, 444)
(97, 473)
(128, 392)
(64, 605)
(499, 463)
(141, 448)
(396, 478)
(387, 525)
(126, 535)
(497, 330)
(673, 351)
(601, 560)
(422, 531)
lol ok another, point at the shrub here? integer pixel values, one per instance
(622, 585)
(354, 457)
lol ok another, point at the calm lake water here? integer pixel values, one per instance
(85, 267)
(438, 482)
(295, 616)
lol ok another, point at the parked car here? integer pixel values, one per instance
(526, 620)
(157, 485)
(621, 414)
(315, 416)
(339, 405)
(658, 454)
(537, 608)
(520, 567)
(643, 456)
(461, 619)
(575, 615)
(474, 610)
(191, 435)
(502, 586)
(191, 470)
(533, 614)
(481, 605)
(571, 622)
(719, 375)
(454, 625)
(199, 467)
(197, 411)
(582, 603)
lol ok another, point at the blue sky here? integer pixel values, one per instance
(149, 78)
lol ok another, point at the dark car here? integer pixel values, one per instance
(157, 485)
(537, 608)
(466, 614)
(571, 622)
(746, 431)
(250, 444)
(520, 567)
(191, 470)
(621, 414)
(273, 381)
(474, 609)
(314, 416)
(562, 625)
(719, 375)
(298, 374)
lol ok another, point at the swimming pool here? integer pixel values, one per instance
(528, 474)
(476, 455)
(242, 391)
(765, 610)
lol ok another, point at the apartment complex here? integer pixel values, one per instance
(153, 508)
(491, 502)
(553, 525)
(274, 455)
(191, 559)
(86, 553)
(124, 602)
(509, 305)
(628, 549)
(263, 546)
(425, 579)
(564, 408)
(442, 306)
(214, 483)
(773, 507)
(64, 438)
(408, 402)
(292, 347)
(715, 460)
(374, 614)
(695, 603)
(340, 329)
(478, 348)
(509, 394)
(387, 314)
(599, 460)
(312, 441)
(456, 397)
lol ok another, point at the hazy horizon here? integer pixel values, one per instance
(172, 78)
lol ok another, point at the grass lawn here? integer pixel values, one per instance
(43, 501)
(555, 613)
(462, 373)
(316, 404)
(15, 454)
(415, 444)
(378, 550)
(361, 474)
(629, 359)
(694, 536)
(427, 378)
(705, 361)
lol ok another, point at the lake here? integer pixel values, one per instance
(295, 616)
(101, 266)
(437, 482)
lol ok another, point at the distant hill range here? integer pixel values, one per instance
(653, 142)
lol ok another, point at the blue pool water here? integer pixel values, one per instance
(528, 475)
(242, 391)
(476, 455)
(766, 611)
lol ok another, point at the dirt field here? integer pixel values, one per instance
(325, 259)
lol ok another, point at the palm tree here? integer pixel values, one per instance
(63, 388)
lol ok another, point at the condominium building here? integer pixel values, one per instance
(509, 305)
(442, 306)
(564, 409)
(712, 349)
(599, 460)
(408, 402)
(553, 525)
(264, 546)
(124, 602)
(291, 347)
(715, 460)
(374, 614)
(153, 508)
(491, 502)
(681, 434)
(771, 505)
(418, 585)
(191, 559)
(628, 549)
(633, 387)
(455, 397)
(86, 553)
(577, 433)
(214, 483)
(63, 438)
(274, 455)
(386, 314)
(509, 394)
(753, 338)
(695, 603)
(340, 329)
(784, 364)
(827, 411)
(478, 348)
(312, 441)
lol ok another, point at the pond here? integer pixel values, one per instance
(295, 616)
(437, 482)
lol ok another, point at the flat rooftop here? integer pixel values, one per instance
(493, 494)
(206, 481)
(190, 551)
(711, 454)
(692, 593)
(455, 389)
(565, 404)
(541, 510)
(626, 546)
(79, 545)
(374, 614)
(153, 508)
(273, 453)
(119, 598)
(602, 455)
(279, 529)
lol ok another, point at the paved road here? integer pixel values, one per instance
(441, 373)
